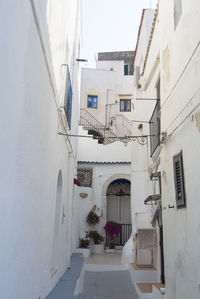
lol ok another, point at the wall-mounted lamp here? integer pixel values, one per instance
(125, 140)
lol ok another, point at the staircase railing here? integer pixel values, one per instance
(90, 123)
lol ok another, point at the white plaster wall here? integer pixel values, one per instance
(31, 151)
(90, 150)
(179, 69)
(109, 83)
(114, 65)
(180, 100)
(100, 82)
(142, 186)
(144, 37)
(103, 175)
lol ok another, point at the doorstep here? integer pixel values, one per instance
(150, 290)
(143, 267)
(143, 274)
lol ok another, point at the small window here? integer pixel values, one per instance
(177, 12)
(179, 180)
(125, 105)
(126, 69)
(92, 102)
(84, 176)
(68, 98)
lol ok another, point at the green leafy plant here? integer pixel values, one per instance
(84, 243)
(107, 245)
(93, 218)
(95, 237)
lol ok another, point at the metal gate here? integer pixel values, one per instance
(119, 210)
(123, 237)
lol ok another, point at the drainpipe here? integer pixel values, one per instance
(106, 110)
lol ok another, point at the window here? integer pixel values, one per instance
(84, 176)
(126, 69)
(177, 12)
(179, 181)
(125, 105)
(68, 98)
(92, 102)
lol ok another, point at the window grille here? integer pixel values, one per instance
(68, 98)
(84, 175)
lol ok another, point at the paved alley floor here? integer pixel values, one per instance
(110, 285)
(104, 259)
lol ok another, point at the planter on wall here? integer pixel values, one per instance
(97, 248)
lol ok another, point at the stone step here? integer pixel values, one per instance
(150, 290)
(144, 274)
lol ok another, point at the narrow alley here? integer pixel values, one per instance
(99, 126)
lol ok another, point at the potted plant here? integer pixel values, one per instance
(84, 243)
(112, 229)
(92, 218)
(97, 245)
(107, 245)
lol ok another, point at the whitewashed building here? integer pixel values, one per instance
(40, 42)
(167, 80)
(106, 108)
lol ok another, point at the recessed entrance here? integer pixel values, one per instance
(119, 208)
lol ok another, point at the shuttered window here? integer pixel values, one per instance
(179, 181)
(154, 126)
(68, 98)
(125, 105)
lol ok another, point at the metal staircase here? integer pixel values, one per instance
(95, 128)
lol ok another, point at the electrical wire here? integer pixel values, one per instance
(193, 96)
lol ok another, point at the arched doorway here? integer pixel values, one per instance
(57, 222)
(119, 208)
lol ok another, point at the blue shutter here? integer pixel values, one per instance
(68, 98)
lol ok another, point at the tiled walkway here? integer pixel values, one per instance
(104, 259)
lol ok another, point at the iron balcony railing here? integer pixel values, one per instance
(123, 237)
(154, 126)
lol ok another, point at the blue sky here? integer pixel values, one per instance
(110, 25)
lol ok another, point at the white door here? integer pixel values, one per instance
(119, 209)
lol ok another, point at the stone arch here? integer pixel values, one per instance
(113, 178)
(104, 191)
